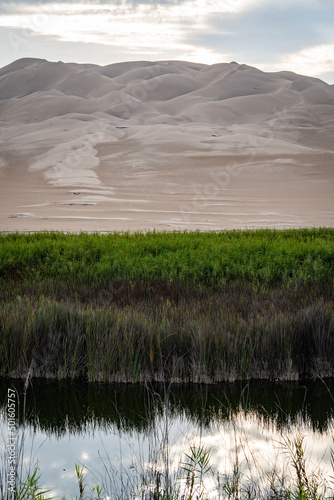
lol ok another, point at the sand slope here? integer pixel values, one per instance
(168, 144)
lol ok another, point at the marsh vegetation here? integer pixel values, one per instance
(192, 307)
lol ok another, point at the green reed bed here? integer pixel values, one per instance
(207, 258)
(187, 306)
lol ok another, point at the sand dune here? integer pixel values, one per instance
(165, 145)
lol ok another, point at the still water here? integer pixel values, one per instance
(118, 432)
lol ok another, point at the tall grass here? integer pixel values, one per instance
(200, 307)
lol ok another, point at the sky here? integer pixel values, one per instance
(272, 35)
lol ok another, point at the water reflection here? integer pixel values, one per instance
(68, 407)
(117, 430)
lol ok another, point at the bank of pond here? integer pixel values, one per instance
(182, 307)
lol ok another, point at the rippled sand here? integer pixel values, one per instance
(164, 145)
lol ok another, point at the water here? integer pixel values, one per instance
(116, 432)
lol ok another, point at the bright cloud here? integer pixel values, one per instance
(315, 60)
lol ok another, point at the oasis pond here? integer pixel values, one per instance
(128, 437)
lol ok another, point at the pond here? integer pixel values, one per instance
(134, 439)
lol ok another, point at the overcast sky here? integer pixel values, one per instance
(273, 35)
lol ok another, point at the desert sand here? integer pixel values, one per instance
(163, 145)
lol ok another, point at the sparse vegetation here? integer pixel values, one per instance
(195, 478)
(168, 306)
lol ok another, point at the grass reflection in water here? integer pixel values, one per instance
(250, 440)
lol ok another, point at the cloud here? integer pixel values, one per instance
(192, 6)
(266, 31)
(11, 6)
(319, 60)
(327, 77)
(19, 43)
(146, 29)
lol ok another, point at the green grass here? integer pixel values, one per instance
(187, 306)
(211, 258)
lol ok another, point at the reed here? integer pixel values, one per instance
(198, 341)
(199, 307)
